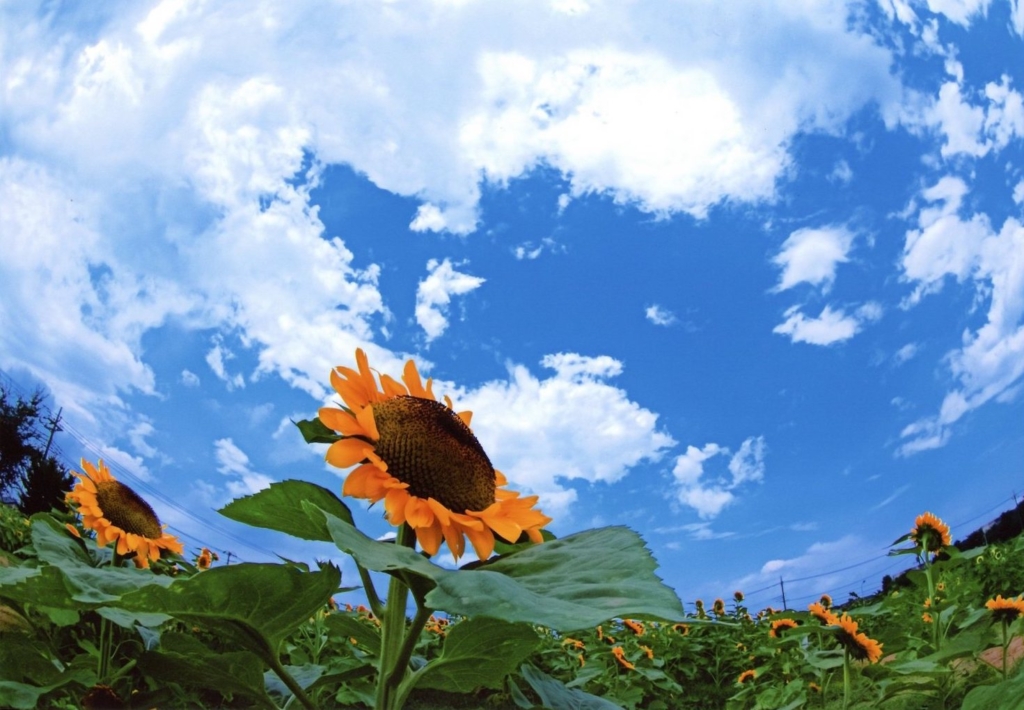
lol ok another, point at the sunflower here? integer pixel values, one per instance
(421, 458)
(1006, 610)
(858, 644)
(781, 625)
(635, 626)
(930, 533)
(825, 601)
(620, 656)
(822, 614)
(117, 513)
(738, 596)
(718, 607)
(746, 675)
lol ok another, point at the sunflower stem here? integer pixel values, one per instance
(846, 678)
(393, 632)
(936, 635)
(408, 646)
(371, 592)
(288, 680)
(1005, 647)
(107, 632)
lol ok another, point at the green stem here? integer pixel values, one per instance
(936, 632)
(107, 633)
(287, 679)
(371, 592)
(402, 663)
(846, 679)
(393, 630)
(1006, 645)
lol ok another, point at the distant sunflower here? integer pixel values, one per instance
(718, 607)
(118, 514)
(620, 656)
(930, 533)
(822, 614)
(746, 676)
(825, 601)
(779, 626)
(858, 644)
(1006, 610)
(421, 458)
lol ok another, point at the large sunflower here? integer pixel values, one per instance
(1006, 610)
(930, 533)
(118, 514)
(421, 458)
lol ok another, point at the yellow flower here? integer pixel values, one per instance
(930, 533)
(718, 607)
(118, 514)
(582, 661)
(205, 559)
(927, 603)
(648, 650)
(738, 596)
(747, 675)
(826, 601)
(780, 625)
(858, 644)
(1006, 610)
(684, 629)
(620, 656)
(575, 643)
(926, 618)
(635, 626)
(421, 458)
(822, 614)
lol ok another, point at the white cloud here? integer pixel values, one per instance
(215, 359)
(232, 461)
(959, 11)
(811, 255)
(133, 464)
(660, 316)
(990, 363)
(906, 353)
(1017, 16)
(831, 326)
(434, 294)
(137, 436)
(1018, 193)
(709, 496)
(572, 425)
(841, 173)
(975, 129)
(189, 378)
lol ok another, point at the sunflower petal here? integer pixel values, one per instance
(394, 504)
(365, 418)
(347, 452)
(429, 538)
(340, 421)
(418, 513)
(411, 378)
(466, 417)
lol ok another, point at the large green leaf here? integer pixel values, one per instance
(54, 544)
(572, 583)
(280, 507)
(477, 653)
(576, 582)
(348, 627)
(183, 659)
(1001, 696)
(555, 696)
(257, 604)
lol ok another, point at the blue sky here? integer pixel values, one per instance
(748, 278)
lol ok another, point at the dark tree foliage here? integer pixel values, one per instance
(29, 478)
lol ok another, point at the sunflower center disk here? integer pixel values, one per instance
(124, 508)
(426, 445)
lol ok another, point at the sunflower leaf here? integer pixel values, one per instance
(256, 604)
(281, 508)
(477, 653)
(315, 431)
(555, 695)
(572, 583)
(183, 659)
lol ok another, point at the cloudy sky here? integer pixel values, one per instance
(746, 277)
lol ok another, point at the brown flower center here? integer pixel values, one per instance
(124, 508)
(426, 445)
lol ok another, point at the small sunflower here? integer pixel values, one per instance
(822, 614)
(635, 626)
(620, 656)
(718, 607)
(746, 675)
(927, 618)
(825, 601)
(1006, 610)
(421, 458)
(738, 596)
(118, 514)
(648, 650)
(781, 625)
(684, 629)
(858, 644)
(930, 533)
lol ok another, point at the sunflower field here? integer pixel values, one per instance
(99, 608)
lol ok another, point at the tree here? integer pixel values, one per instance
(29, 477)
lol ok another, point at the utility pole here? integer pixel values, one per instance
(782, 584)
(228, 561)
(54, 428)
(1016, 507)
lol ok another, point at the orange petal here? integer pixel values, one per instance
(351, 391)
(535, 535)
(365, 418)
(73, 530)
(499, 478)
(347, 452)
(502, 525)
(340, 421)
(392, 387)
(418, 513)
(466, 418)
(122, 545)
(482, 540)
(366, 481)
(429, 538)
(394, 503)
(411, 378)
(364, 370)
(440, 511)
(456, 542)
